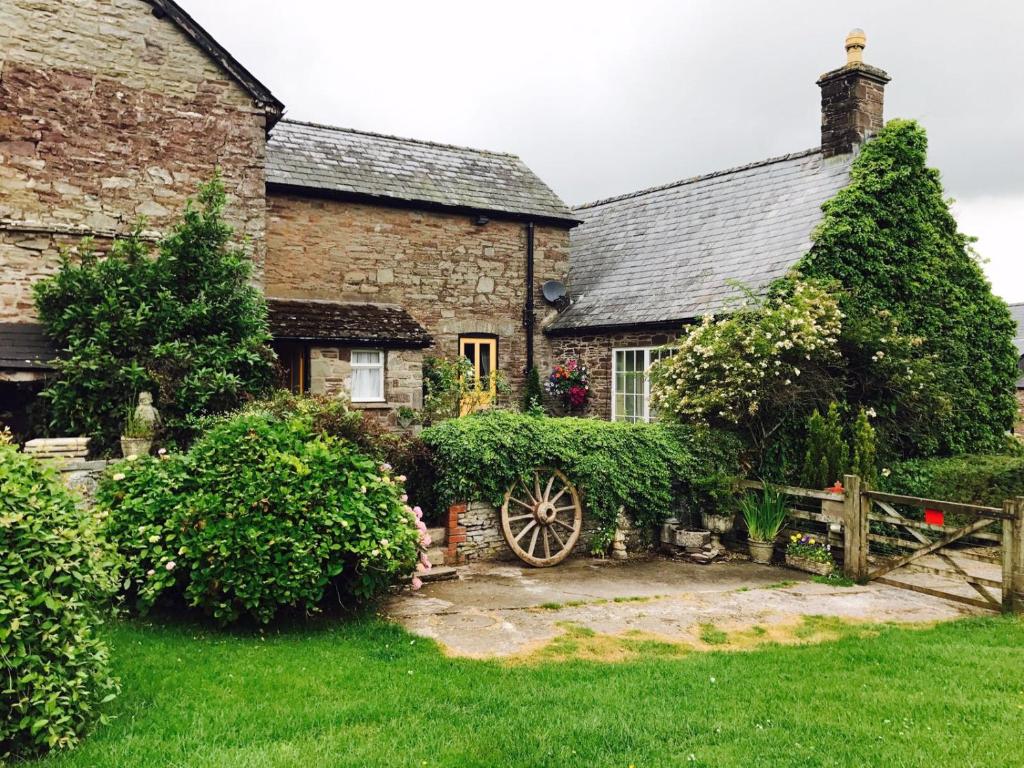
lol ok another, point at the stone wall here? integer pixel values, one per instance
(331, 372)
(108, 114)
(474, 532)
(595, 350)
(451, 274)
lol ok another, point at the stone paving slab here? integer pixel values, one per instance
(496, 610)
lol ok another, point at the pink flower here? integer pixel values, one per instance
(425, 561)
(416, 583)
(421, 568)
(405, 497)
(418, 512)
(170, 565)
(425, 539)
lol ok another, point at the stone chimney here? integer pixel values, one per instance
(851, 100)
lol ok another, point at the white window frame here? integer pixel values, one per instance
(648, 352)
(377, 366)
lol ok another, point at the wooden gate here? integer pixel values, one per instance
(966, 553)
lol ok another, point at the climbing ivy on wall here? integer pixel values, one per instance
(892, 244)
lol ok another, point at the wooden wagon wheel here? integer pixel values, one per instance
(542, 521)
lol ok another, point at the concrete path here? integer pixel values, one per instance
(501, 609)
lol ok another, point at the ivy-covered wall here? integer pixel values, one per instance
(892, 244)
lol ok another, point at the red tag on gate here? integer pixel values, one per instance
(933, 517)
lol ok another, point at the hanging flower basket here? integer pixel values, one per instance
(570, 383)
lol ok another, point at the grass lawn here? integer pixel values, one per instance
(366, 693)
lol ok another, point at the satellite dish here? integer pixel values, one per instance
(554, 291)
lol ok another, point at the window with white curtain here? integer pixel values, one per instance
(367, 376)
(631, 382)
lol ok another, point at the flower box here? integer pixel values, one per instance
(809, 565)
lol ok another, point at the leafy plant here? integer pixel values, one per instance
(54, 572)
(827, 457)
(533, 394)
(647, 469)
(764, 515)
(986, 479)
(185, 324)
(134, 427)
(864, 449)
(265, 512)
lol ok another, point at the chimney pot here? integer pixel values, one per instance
(851, 100)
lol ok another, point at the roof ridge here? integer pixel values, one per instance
(392, 137)
(701, 177)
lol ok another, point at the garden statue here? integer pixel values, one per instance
(139, 427)
(145, 412)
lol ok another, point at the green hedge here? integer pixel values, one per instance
(648, 469)
(985, 479)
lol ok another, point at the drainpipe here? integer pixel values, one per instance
(528, 316)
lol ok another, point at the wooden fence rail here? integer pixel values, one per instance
(1003, 547)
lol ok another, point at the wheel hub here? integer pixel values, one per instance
(545, 513)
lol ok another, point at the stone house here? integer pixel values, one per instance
(646, 263)
(371, 249)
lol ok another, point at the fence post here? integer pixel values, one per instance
(1017, 599)
(1009, 552)
(855, 529)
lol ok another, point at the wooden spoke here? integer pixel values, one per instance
(544, 516)
(525, 529)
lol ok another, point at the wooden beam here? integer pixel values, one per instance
(929, 548)
(936, 593)
(952, 507)
(790, 490)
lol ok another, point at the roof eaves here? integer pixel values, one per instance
(272, 106)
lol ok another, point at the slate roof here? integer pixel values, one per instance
(309, 156)
(673, 253)
(24, 347)
(340, 322)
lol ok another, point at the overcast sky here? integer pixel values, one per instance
(601, 98)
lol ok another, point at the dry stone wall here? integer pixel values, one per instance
(108, 114)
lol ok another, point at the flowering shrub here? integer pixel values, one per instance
(809, 548)
(755, 367)
(264, 512)
(570, 383)
(54, 570)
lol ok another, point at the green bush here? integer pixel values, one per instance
(645, 468)
(185, 325)
(54, 673)
(265, 512)
(986, 479)
(889, 239)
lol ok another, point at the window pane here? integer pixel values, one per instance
(366, 357)
(485, 362)
(366, 383)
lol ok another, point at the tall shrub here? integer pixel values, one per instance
(826, 457)
(54, 669)
(184, 323)
(890, 241)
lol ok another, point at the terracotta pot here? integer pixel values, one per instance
(761, 551)
(810, 566)
(135, 446)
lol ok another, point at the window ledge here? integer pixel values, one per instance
(372, 405)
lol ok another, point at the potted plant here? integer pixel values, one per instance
(406, 417)
(809, 553)
(764, 516)
(136, 435)
(570, 383)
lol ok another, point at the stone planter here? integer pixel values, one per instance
(761, 551)
(809, 566)
(719, 525)
(135, 446)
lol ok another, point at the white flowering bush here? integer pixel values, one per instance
(754, 367)
(264, 513)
